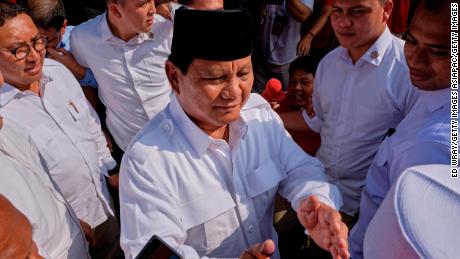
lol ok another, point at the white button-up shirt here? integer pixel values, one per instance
(423, 137)
(56, 229)
(131, 75)
(355, 106)
(207, 197)
(68, 136)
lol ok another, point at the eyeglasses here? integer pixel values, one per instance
(21, 52)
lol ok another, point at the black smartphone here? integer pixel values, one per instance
(156, 248)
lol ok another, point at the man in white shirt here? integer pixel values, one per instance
(126, 48)
(204, 172)
(25, 182)
(423, 137)
(361, 91)
(44, 98)
(280, 36)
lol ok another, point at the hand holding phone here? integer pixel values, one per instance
(156, 248)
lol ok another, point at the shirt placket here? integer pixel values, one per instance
(245, 206)
(128, 52)
(344, 121)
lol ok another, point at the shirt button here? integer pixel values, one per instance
(167, 127)
(250, 229)
(374, 54)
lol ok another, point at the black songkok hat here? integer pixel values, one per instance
(220, 35)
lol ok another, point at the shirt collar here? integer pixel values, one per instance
(198, 139)
(435, 99)
(107, 35)
(8, 92)
(375, 53)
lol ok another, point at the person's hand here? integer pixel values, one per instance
(66, 58)
(259, 251)
(303, 48)
(274, 105)
(324, 226)
(163, 10)
(89, 233)
(1, 122)
(108, 140)
(114, 180)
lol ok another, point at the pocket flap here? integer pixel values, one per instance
(206, 207)
(264, 178)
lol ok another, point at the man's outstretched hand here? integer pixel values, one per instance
(260, 251)
(324, 226)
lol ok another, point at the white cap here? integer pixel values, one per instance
(419, 217)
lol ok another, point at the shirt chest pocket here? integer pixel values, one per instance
(209, 220)
(262, 186)
(50, 150)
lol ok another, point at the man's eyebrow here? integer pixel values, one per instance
(436, 46)
(439, 46)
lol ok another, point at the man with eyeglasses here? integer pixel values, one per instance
(44, 98)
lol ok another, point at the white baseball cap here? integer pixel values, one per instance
(419, 217)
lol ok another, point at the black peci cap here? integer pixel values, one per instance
(220, 35)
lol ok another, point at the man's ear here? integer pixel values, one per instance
(113, 8)
(63, 27)
(387, 8)
(173, 73)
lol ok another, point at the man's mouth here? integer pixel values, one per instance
(32, 69)
(417, 74)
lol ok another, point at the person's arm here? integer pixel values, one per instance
(315, 200)
(299, 11)
(66, 58)
(304, 45)
(295, 120)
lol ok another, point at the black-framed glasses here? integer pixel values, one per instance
(21, 52)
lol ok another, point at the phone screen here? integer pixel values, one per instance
(158, 249)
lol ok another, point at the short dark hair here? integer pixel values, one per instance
(121, 2)
(305, 63)
(46, 14)
(181, 62)
(8, 11)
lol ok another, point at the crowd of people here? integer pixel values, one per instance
(228, 128)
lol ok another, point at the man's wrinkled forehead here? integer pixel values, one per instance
(207, 68)
(18, 30)
(356, 3)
